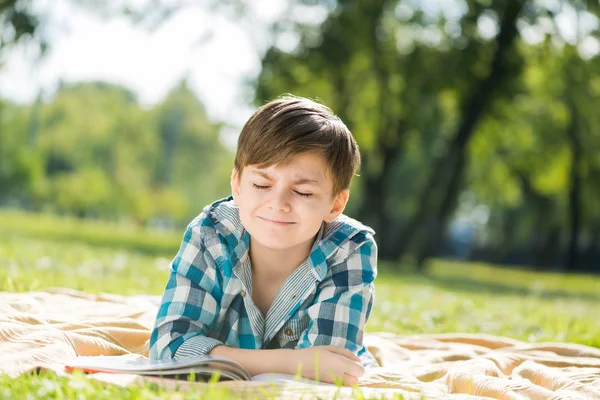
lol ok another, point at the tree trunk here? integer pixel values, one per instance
(373, 208)
(35, 123)
(388, 147)
(574, 191)
(454, 159)
(506, 242)
(544, 227)
(441, 219)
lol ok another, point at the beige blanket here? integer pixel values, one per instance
(46, 329)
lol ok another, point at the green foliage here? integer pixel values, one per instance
(17, 21)
(401, 76)
(92, 151)
(192, 158)
(407, 78)
(21, 169)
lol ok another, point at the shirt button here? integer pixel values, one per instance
(289, 331)
(243, 293)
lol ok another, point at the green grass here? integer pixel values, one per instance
(40, 251)
(95, 233)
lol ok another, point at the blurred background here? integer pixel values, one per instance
(478, 120)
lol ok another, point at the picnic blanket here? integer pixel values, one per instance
(46, 329)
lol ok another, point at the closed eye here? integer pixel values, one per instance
(265, 187)
(303, 194)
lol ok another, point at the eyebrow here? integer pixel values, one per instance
(298, 181)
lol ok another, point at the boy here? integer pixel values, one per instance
(275, 277)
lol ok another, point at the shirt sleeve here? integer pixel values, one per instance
(344, 301)
(190, 303)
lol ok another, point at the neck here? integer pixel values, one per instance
(278, 263)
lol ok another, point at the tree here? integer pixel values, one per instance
(417, 87)
(192, 157)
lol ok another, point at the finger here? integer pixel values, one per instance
(352, 356)
(350, 367)
(340, 378)
(351, 363)
(350, 380)
(343, 352)
(355, 369)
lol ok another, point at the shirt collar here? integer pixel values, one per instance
(334, 239)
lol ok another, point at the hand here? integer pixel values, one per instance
(329, 364)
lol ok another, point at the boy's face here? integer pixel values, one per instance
(283, 206)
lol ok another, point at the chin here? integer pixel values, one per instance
(275, 243)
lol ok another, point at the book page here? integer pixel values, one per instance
(135, 364)
(285, 378)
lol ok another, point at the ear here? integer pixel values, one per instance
(235, 183)
(338, 206)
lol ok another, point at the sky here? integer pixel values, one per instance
(214, 53)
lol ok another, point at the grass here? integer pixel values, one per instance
(41, 251)
(95, 233)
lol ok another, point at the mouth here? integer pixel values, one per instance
(275, 222)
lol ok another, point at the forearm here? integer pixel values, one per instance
(260, 361)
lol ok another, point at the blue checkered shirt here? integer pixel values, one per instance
(207, 302)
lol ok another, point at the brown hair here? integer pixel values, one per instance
(288, 126)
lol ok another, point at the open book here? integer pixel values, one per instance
(202, 368)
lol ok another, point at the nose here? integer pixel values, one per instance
(280, 201)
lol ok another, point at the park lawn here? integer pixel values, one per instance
(41, 251)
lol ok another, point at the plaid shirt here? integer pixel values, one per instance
(208, 298)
